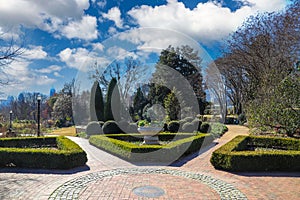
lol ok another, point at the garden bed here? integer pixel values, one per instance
(41, 152)
(252, 153)
(128, 146)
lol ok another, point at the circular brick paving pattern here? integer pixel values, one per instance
(120, 183)
(140, 186)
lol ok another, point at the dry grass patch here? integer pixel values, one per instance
(69, 131)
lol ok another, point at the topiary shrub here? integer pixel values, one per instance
(132, 128)
(101, 123)
(188, 119)
(93, 128)
(197, 124)
(205, 127)
(173, 126)
(188, 127)
(123, 125)
(165, 128)
(111, 127)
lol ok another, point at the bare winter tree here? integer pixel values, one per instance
(260, 54)
(9, 52)
(217, 88)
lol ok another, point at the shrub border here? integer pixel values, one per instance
(68, 155)
(150, 153)
(233, 157)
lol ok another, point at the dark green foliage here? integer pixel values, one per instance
(111, 127)
(197, 124)
(96, 103)
(172, 106)
(188, 127)
(93, 128)
(205, 127)
(173, 126)
(139, 102)
(157, 93)
(237, 156)
(101, 123)
(165, 128)
(26, 153)
(113, 101)
(151, 153)
(242, 118)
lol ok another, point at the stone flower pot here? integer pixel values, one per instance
(150, 135)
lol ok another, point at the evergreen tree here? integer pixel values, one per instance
(186, 63)
(112, 109)
(139, 102)
(96, 103)
(172, 106)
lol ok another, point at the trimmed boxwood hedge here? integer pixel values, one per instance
(236, 155)
(31, 153)
(185, 144)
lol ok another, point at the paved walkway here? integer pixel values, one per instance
(108, 177)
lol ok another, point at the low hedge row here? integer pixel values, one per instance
(137, 137)
(151, 153)
(237, 156)
(31, 153)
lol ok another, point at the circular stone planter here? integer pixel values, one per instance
(150, 135)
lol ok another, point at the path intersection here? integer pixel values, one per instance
(108, 177)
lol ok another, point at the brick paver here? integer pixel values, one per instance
(122, 177)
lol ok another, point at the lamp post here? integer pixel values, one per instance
(10, 120)
(39, 98)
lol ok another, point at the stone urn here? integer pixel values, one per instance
(150, 135)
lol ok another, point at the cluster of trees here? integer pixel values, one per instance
(176, 85)
(260, 72)
(176, 81)
(55, 110)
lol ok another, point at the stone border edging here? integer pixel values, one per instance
(72, 188)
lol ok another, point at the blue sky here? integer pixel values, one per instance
(63, 38)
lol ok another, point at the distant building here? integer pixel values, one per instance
(52, 92)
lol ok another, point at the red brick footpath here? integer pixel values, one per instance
(108, 177)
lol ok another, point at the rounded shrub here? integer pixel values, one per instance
(123, 125)
(132, 128)
(188, 119)
(197, 124)
(101, 123)
(173, 126)
(188, 127)
(205, 127)
(93, 128)
(166, 127)
(111, 127)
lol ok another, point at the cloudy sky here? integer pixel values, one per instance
(61, 38)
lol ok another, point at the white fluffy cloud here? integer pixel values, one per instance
(22, 77)
(50, 69)
(50, 16)
(79, 58)
(85, 29)
(34, 53)
(206, 22)
(114, 14)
